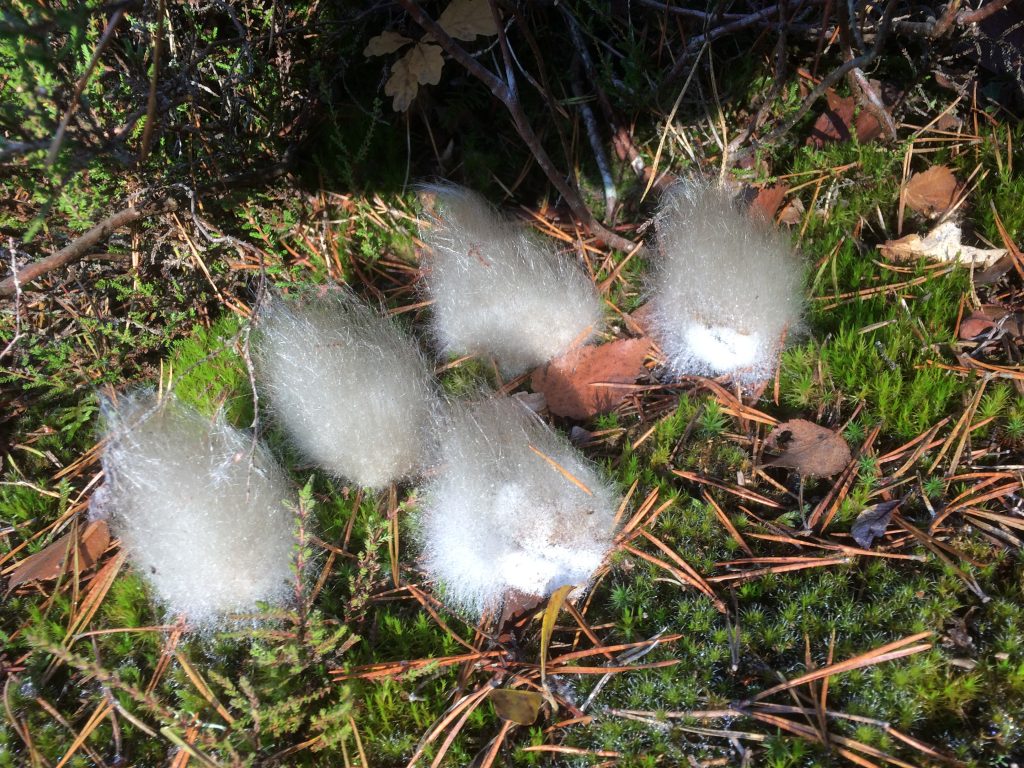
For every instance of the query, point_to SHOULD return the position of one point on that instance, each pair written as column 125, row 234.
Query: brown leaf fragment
column 833, row 124
column 465, row 19
column 49, row 563
column 975, row 325
column 793, row 212
column 768, row 201
column 808, row 448
column 421, row 65
column 386, row 42
column 872, row 522
column 520, row 707
column 575, row 384
column 931, row 192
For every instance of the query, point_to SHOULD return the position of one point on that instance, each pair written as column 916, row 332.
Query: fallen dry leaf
column 872, row 522
column 768, row 201
column 465, row 19
column 573, row 383
column 974, row 325
column 49, row 563
column 808, row 448
column 931, row 192
column 421, row 65
column 384, row 43
column 989, row 316
column 833, row 124
column 793, row 212
column 520, row 707
column 941, row 244
column 837, row 123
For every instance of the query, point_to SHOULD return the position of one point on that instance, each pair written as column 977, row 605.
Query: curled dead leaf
column 808, row 448
column 49, row 563
column 931, row 192
column 872, row 522
column 384, row 43
column 465, row 19
column 768, row 201
column 975, row 325
column 941, row 244
column 421, row 65
column 581, row 383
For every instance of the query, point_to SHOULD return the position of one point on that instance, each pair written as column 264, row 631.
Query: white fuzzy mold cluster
column 203, row 512
column 498, row 289
column 727, row 288
column 353, row 391
column 511, row 506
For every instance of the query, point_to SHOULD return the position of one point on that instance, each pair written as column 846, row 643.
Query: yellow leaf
column 384, row 43
column 421, row 65
column 547, row 625
column 518, row 706
column 465, row 19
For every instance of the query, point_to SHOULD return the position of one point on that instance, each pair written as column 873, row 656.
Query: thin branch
column 78, row 248
column 17, row 300
column 147, row 133
column 108, row 33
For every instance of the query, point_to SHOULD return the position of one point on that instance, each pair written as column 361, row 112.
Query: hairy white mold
column 511, row 506
column 352, row 390
column 499, row 289
column 204, row 517
column 726, row 289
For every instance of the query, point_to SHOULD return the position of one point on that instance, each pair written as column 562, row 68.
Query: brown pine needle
column 888, row 652
column 564, row 472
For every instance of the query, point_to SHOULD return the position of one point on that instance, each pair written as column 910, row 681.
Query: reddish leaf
column 808, row 448
column 834, row 122
column 574, row 383
column 49, row 563
column 931, row 192
column 975, row 325
column 768, row 201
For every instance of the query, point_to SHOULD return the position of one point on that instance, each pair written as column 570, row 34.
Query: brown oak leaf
column 808, row 448
column 576, row 384
column 421, row 65
column 931, row 192
column 465, row 19
column 386, row 42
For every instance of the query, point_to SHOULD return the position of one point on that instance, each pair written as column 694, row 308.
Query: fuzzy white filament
column 499, row 289
column 351, row 389
column 726, row 288
column 512, row 506
column 203, row 517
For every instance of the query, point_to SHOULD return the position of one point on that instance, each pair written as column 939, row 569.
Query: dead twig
column 78, row 247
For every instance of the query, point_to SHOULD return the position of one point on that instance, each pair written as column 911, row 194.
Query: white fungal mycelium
column 500, row 289
column 205, row 515
column 511, row 506
column 352, row 390
column 727, row 288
